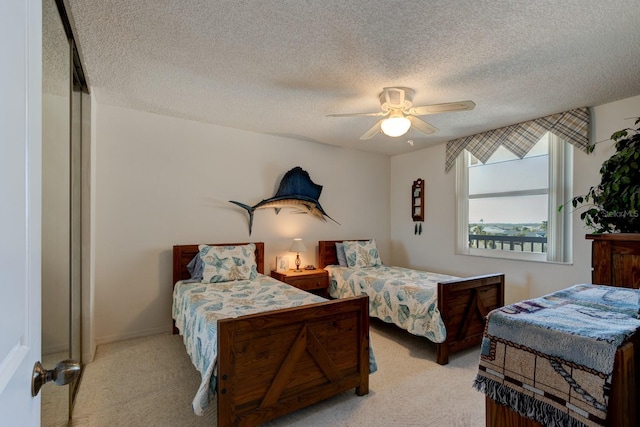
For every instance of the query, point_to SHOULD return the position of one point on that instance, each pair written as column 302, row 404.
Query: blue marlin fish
column 296, row 191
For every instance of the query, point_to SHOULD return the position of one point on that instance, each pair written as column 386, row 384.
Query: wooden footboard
column 273, row 363
column 463, row 305
column 624, row 401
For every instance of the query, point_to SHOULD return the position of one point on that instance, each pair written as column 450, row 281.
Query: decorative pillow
column 226, row 263
column 195, row 267
column 342, row 257
column 361, row 253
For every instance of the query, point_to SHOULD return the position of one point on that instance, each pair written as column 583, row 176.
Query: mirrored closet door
column 61, row 210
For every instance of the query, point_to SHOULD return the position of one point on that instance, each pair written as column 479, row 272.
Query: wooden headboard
column 183, row 254
column 327, row 252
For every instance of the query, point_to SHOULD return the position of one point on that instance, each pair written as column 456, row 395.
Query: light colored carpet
column 151, row 382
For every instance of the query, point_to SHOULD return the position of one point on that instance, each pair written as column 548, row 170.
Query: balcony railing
column 508, row 243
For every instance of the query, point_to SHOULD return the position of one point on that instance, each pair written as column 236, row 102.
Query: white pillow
column 361, row 253
column 225, row 263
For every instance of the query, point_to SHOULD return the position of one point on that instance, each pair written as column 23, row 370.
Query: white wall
column 434, row 249
column 162, row 181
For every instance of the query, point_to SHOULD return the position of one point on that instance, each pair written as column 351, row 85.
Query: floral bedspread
column 197, row 308
column 405, row 297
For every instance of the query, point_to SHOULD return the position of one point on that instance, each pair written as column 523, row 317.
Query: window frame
column 559, row 224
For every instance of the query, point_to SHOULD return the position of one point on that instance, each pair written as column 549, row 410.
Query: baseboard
column 89, row 353
column 133, row 335
column 55, row 348
column 88, row 356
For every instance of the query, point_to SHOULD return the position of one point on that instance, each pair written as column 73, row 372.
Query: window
column 508, row 207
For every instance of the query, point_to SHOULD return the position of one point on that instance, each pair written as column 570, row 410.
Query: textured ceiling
column 280, row 66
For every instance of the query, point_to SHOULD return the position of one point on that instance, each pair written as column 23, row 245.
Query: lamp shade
column 395, row 126
column 297, row 246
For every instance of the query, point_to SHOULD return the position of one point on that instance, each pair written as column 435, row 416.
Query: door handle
column 64, row 373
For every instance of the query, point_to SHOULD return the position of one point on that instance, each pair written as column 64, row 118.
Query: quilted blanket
column 408, row 298
column 551, row 358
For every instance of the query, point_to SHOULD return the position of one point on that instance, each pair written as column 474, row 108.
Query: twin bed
column 268, row 363
column 449, row 311
column 566, row 358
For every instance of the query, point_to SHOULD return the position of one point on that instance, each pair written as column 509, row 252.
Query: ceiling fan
column 400, row 114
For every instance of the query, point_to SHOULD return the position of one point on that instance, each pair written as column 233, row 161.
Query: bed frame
column 273, row 363
column 624, row 401
column 463, row 304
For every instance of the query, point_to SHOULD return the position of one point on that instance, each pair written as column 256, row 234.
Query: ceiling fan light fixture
column 396, row 104
column 396, row 125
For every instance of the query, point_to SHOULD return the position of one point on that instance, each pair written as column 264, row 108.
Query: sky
column 505, row 172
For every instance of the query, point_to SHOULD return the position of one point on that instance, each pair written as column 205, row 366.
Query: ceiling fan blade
column 422, row 126
column 441, row 108
column 372, row 132
column 379, row 113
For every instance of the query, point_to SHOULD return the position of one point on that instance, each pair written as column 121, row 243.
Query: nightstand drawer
column 308, row 283
column 315, row 281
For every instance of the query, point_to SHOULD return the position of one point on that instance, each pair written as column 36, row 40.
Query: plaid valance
column 572, row 126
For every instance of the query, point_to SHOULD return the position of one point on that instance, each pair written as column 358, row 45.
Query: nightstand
column 315, row 281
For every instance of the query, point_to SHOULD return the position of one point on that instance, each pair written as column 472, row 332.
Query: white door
column 20, row 208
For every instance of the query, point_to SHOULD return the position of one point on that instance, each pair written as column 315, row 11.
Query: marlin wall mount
column 296, row 191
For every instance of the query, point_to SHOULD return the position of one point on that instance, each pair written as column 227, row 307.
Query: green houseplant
column 613, row 206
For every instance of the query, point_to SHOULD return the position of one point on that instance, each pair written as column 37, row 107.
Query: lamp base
column 297, row 270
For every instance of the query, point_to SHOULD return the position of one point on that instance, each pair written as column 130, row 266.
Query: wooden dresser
column 615, row 259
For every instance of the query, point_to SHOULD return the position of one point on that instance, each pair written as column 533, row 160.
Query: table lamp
column 297, row 246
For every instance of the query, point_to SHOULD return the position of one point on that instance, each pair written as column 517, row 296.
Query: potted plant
column 614, row 204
